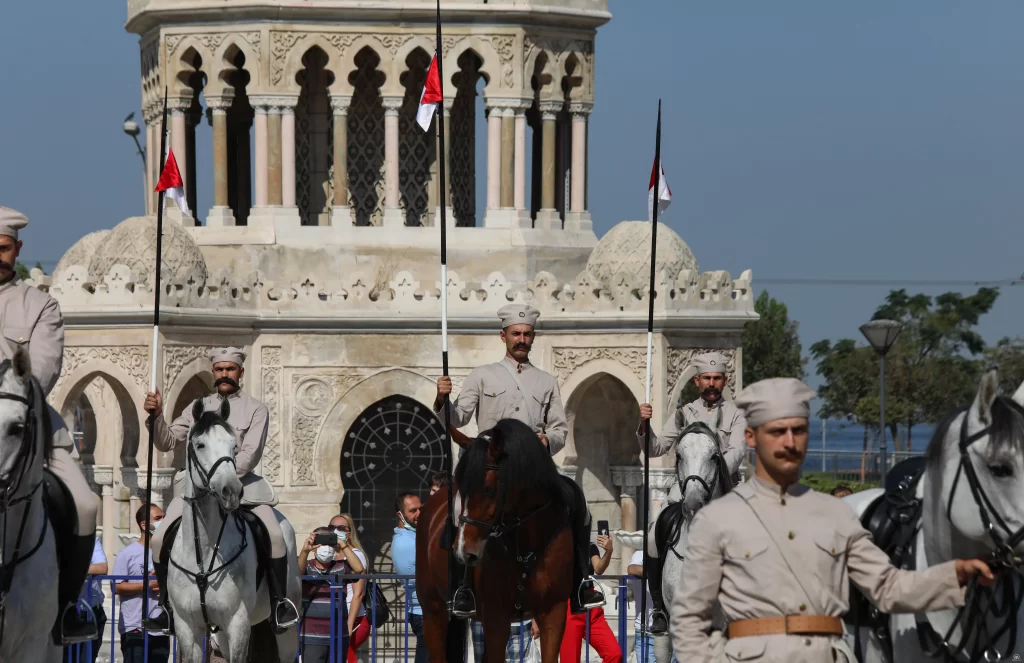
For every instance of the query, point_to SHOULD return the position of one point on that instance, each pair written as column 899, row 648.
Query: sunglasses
column 341, row 528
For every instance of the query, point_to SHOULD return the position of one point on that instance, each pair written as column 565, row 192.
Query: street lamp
column 882, row 334
column 131, row 128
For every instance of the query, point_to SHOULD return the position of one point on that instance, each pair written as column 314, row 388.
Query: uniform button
column 517, row 409
column 803, row 606
column 833, row 550
column 747, row 555
column 807, row 642
column 792, row 535
column 783, row 501
column 21, row 340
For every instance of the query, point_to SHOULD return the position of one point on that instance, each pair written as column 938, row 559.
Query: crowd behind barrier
column 390, row 642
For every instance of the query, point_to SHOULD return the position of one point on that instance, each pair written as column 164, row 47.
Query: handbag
column 382, row 614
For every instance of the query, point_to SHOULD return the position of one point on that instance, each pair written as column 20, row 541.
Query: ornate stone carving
column 172, row 42
column 341, row 41
column 176, row 356
column 567, row 360
column 133, row 243
column 313, row 395
column 393, row 42
column 271, row 377
column 304, row 430
column 504, row 47
column 679, row 358
column 280, row 44
column 627, row 248
column 81, row 252
column 132, row 359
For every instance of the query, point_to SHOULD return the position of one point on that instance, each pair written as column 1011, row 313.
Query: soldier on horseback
column 723, row 417
column 249, row 418
column 513, row 388
column 31, row 319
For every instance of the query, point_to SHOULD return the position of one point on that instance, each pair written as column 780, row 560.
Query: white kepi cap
column 775, row 398
column 11, row 221
column 518, row 314
column 234, row 355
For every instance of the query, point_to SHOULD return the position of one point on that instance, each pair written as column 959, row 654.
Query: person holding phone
column 601, row 636
column 317, row 604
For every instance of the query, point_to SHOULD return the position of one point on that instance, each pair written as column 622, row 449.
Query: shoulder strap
column 782, row 551
column 536, row 419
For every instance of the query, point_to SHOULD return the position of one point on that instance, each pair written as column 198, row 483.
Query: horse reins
column 202, row 578
column 1003, row 557
column 26, row 457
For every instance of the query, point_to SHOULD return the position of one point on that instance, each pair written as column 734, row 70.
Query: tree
column 1008, row 355
column 771, row 346
column 23, row 272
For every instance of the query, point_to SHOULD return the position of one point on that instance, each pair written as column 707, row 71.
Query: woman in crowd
column 358, row 624
column 328, row 564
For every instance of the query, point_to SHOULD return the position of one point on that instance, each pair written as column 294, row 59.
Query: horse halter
column 500, row 527
column 204, row 474
column 709, row 489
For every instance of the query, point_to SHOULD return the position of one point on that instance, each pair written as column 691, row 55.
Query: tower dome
column 133, row 243
column 81, row 252
column 627, row 248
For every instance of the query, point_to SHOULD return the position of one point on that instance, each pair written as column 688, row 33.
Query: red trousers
column 360, row 634
column 601, row 637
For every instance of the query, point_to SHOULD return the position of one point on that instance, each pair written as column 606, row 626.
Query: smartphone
column 325, row 539
column 602, row 527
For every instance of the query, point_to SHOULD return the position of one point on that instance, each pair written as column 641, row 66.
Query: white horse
column 702, row 476
column 972, row 505
column 28, row 578
column 232, row 606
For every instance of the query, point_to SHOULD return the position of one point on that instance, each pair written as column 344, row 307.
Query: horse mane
column 209, row 420
column 1006, row 429
column 37, row 407
column 724, row 478
column 525, row 463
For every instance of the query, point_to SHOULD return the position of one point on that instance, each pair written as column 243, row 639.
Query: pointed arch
column 190, row 58
column 223, row 62
column 294, row 60
column 490, row 63
column 399, row 62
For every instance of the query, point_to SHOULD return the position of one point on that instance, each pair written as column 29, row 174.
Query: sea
column 837, row 445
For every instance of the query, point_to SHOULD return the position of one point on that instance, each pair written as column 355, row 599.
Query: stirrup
column 465, row 595
column 659, row 622
column 277, row 612
column 153, row 625
column 596, row 588
column 79, row 606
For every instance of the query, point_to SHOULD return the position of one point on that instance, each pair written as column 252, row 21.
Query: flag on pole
column 170, row 183
column 430, row 97
column 664, row 193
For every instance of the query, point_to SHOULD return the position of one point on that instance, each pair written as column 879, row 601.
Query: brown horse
column 511, row 509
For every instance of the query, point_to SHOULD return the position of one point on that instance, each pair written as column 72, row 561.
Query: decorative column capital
column 179, row 105
column 392, row 105
column 219, row 104
column 340, row 104
column 274, row 104
column 548, row 109
column 583, row 108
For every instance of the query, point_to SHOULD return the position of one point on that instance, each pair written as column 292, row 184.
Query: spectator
column 521, row 641
column 841, row 491
column 403, row 557
column 317, row 596
column 92, row 593
column 438, row 481
column 129, row 619
column 358, row 624
column 643, row 644
column 601, row 636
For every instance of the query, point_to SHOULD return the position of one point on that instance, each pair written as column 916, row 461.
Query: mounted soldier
column 30, row 319
column 513, row 388
column 250, row 419
column 723, row 417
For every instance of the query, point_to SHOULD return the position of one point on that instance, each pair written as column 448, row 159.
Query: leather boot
column 464, row 601
column 163, row 623
column 586, row 592
column 659, row 618
column 76, row 620
column 285, row 613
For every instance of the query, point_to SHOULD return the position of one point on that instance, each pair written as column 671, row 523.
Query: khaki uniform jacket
column 249, row 417
column 31, row 319
column 731, row 558
column 490, row 393
column 730, row 431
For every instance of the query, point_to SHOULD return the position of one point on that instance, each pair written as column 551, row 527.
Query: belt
column 795, row 624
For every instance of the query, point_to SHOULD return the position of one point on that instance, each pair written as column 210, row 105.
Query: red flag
column 430, row 97
column 170, row 182
column 664, row 193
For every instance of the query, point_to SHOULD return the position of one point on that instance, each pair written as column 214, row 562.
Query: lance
column 153, row 365
column 650, row 346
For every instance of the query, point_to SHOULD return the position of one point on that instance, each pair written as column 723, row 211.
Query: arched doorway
column 393, row 446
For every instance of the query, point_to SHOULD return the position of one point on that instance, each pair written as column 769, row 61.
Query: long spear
column 650, row 347
column 153, row 366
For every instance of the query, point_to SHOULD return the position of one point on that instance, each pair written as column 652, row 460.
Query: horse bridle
column 500, row 527
column 701, row 427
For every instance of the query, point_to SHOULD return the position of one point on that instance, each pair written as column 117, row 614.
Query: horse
column 513, row 535
column 28, row 581
column 967, row 500
column 213, row 576
column 702, row 475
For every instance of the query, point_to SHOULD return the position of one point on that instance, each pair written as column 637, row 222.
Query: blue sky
column 802, row 139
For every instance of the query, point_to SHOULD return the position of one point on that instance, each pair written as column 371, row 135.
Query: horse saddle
column 893, row 520
column 261, row 538
column 668, row 528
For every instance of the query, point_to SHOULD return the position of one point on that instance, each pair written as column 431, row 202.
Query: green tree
column 771, row 346
column 1008, row 355
column 23, row 272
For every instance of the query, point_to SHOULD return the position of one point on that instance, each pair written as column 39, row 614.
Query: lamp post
column 882, row 334
column 131, row 128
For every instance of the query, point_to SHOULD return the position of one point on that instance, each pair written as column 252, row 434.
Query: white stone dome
column 81, row 253
column 133, row 243
column 627, row 248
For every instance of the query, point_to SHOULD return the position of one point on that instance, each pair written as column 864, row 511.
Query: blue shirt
column 129, row 563
column 403, row 557
column 92, row 591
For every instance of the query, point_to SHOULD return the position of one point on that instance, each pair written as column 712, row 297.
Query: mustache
column 225, row 380
column 711, row 391
column 789, row 453
column 521, row 346
column 6, row 265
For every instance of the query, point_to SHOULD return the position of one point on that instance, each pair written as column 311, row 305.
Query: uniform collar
column 10, row 285
column 231, row 397
column 757, row 486
column 699, row 404
column 515, row 364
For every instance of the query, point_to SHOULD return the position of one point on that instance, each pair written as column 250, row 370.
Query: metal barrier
column 390, row 642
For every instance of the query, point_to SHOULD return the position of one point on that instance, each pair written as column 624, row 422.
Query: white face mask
column 342, row 536
column 405, row 523
column 155, row 526
column 324, row 554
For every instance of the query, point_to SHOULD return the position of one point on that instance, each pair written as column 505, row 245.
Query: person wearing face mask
column 358, row 622
column 249, row 418
column 329, row 563
column 718, row 413
column 403, row 556
column 130, row 616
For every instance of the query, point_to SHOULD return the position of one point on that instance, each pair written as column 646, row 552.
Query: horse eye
column 489, row 492
column 200, row 446
column 1001, row 470
column 16, row 428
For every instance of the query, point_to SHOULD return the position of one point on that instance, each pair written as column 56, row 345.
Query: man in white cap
column 250, row 419
column 723, row 417
column 513, row 388
column 777, row 556
column 31, row 321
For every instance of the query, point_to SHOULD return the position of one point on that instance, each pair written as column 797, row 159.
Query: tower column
column 220, row 214
column 393, row 216
column 179, row 108
column 341, row 214
column 547, row 216
column 578, row 219
column 260, row 129
column 274, row 127
column 519, row 195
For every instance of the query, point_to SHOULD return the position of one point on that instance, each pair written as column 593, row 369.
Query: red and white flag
column 430, row 97
column 170, row 182
column 664, row 193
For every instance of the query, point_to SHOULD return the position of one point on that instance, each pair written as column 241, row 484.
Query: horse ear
column 1018, row 396
column 197, row 409
column 22, row 365
column 225, row 409
column 495, row 443
column 987, row 392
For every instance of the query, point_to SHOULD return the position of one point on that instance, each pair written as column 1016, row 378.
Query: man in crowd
column 777, row 556
column 513, row 388
column 403, row 557
column 249, row 418
column 31, row 320
column 129, row 618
